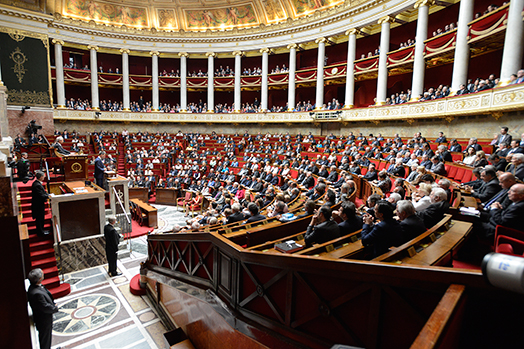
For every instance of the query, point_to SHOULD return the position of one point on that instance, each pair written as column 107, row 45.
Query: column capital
column 292, row 46
column 210, row 54
column 352, row 31
column 238, row 53
column 428, row 3
column 386, row 19
column 154, row 53
column 92, row 47
column 265, row 50
column 124, row 50
column 58, row 41
column 319, row 40
column 183, row 54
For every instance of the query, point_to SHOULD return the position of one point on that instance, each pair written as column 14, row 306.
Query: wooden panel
column 79, row 218
column 139, row 193
column 166, row 196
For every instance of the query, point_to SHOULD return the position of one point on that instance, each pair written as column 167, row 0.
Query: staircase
column 121, row 158
column 41, row 250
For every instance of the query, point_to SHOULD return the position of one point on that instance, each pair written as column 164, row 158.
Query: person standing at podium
column 100, row 169
column 112, row 240
column 39, row 198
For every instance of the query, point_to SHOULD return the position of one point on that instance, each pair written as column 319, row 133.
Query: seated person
column 255, row 216
column 384, row 234
column 438, row 208
column 237, row 214
column 489, row 188
column 58, row 146
column 510, row 217
column 421, row 199
column 350, row 221
column 322, row 228
column 309, row 207
column 411, row 224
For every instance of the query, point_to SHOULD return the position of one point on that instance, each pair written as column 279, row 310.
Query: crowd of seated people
column 171, row 74
column 263, row 185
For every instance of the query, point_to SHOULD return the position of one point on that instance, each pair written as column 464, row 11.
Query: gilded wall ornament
column 19, row 58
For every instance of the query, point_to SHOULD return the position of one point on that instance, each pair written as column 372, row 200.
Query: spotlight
column 97, row 114
column 24, row 108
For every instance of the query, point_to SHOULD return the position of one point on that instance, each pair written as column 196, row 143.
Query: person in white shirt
column 421, row 199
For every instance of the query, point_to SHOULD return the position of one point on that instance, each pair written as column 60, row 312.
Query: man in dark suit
column 350, row 221
column 489, row 188
column 39, row 199
column 255, row 216
column 99, row 169
column 441, row 138
column 43, row 306
column 308, row 181
column 504, row 137
column 112, row 240
column 510, row 217
column 383, row 235
column 237, row 214
column 499, row 163
column 58, row 146
column 22, row 168
column 412, row 225
column 321, row 228
column 437, row 167
column 444, row 154
column 435, row 212
column 454, row 146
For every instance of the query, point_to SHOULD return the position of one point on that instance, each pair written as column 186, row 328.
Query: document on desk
column 80, row 190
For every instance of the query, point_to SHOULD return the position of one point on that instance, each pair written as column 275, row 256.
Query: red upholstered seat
column 382, row 165
column 467, row 176
column 459, row 175
column 451, row 170
column 509, row 241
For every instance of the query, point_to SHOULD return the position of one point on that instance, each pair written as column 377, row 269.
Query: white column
column 155, row 103
column 350, row 68
column 264, row 86
column 183, row 80
column 382, row 80
column 59, row 69
column 419, row 64
column 125, row 79
column 319, row 99
column 291, row 80
column 238, row 72
column 210, row 81
column 95, row 104
column 513, row 42
column 461, row 60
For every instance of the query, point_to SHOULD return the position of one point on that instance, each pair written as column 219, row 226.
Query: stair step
column 44, row 262
column 51, row 282
column 50, row 272
column 40, row 245
column 61, row 291
column 48, row 252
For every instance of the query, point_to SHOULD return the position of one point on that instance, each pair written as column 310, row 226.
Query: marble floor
column 169, row 216
column 101, row 313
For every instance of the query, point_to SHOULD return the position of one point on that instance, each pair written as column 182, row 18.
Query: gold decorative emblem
column 19, row 58
column 76, row 167
column 16, row 35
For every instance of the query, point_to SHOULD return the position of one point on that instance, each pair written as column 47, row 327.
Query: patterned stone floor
column 169, row 216
column 101, row 313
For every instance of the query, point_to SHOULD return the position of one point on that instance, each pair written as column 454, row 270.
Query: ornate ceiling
column 190, row 15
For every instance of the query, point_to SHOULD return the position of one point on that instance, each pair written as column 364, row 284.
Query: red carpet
column 41, row 250
column 138, row 230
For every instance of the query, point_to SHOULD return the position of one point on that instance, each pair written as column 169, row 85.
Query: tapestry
column 25, row 67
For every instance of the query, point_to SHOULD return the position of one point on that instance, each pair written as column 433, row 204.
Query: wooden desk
column 150, row 211
column 470, row 201
column 139, row 193
column 166, row 196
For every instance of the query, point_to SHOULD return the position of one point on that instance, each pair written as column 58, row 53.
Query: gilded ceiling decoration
column 202, row 15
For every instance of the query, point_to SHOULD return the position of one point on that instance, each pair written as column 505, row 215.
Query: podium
column 121, row 186
column 75, row 167
column 79, row 212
